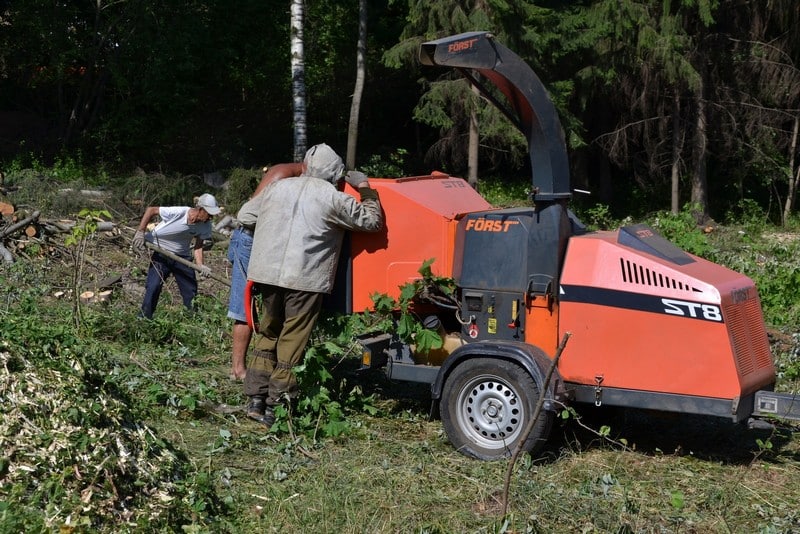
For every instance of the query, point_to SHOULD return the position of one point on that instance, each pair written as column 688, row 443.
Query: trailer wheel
column 487, row 404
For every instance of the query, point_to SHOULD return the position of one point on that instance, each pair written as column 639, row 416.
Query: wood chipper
column 651, row 326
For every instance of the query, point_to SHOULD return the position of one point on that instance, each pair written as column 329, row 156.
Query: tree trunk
column 474, row 140
column 355, row 106
column 676, row 154
column 699, row 177
column 298, row 79
column 794, row 172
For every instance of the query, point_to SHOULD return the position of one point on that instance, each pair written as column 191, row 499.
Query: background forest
column 664, row 102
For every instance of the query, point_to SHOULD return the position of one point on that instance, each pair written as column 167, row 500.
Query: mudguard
column 534, row 360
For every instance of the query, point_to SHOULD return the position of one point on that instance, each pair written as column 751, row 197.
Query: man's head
column 322, row 162
column 208, row 203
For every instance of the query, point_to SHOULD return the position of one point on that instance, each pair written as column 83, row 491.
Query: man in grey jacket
column 301, row 224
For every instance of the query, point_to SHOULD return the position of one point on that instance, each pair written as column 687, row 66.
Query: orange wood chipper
column 650, row 325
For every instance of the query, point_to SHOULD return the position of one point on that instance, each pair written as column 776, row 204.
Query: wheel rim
column 490, row 412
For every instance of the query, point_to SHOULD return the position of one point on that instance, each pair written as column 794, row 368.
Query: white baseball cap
column 208, row 203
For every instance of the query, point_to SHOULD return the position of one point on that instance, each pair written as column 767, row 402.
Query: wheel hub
column 490, row 410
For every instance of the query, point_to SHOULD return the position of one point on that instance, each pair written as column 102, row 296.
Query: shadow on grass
column 406, row 396
column 654, row 433
column 645, row 432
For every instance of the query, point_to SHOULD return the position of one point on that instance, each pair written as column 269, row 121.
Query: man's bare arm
column 277, row 172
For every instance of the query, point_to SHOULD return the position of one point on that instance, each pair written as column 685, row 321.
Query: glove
column 355, row 178
column 204, row 271
column 138, row 241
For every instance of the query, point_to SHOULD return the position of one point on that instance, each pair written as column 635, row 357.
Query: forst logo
column 488, row 225
column 460, row 46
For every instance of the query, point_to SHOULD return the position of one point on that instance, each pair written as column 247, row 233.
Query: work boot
column 256, row 406
column 257, row 410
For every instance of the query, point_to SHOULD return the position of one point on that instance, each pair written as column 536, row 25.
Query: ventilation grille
column 750, row 349
column 633, row 273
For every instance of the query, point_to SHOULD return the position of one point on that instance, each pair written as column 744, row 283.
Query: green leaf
column 406, row 326
column 677, row 499
column 425, row 269
column 383, row 303
column 427, row 339
column 407, row 294
column 335, row 428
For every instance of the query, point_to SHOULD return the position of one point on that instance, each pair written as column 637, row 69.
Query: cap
column 322, row 162
column 208, row 203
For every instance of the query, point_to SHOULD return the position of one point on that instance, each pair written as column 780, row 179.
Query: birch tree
column 355, row 106
column 298, row 79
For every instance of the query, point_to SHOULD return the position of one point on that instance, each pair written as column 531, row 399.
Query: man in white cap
column 301, row 224
column 181, row 231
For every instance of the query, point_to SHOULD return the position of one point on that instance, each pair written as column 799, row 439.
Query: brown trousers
column 287, row 319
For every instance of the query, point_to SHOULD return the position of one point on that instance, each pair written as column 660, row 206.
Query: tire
column 487, row 403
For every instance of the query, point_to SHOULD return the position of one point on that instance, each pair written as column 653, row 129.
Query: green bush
column 503, row 193
column 682, row 230
column 390, row 166
column 241, row 184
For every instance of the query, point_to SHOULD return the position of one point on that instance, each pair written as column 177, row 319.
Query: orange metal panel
column 541, row 324
column 646, row 351
column 641, row 322
column 420, row 223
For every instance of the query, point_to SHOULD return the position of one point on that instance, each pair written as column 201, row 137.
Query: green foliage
column 78, row 238
column 779, row 288
column 677, row 499
column 682, row 230
column 769, row 259
column 504, row 193
column 406, row 322
column 748, row 214
column 241, row 184
column 86, row 227
column 61, row 406
column 598, row 217
column 322, row 409
column 392, row 166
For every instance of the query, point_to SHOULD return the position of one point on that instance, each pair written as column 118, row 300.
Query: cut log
column 6, row 209
column 94, row 297
column 226, row 221
column 32, row 231
column 22, row 224
column 65, row 225
column 109, row 281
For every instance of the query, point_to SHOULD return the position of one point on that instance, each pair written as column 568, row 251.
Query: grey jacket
column 301, row 224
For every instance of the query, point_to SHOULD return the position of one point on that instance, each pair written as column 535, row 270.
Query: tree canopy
column 664, row 102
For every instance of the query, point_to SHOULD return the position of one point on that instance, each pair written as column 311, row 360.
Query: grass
column 394, row 470
column 397, row 473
